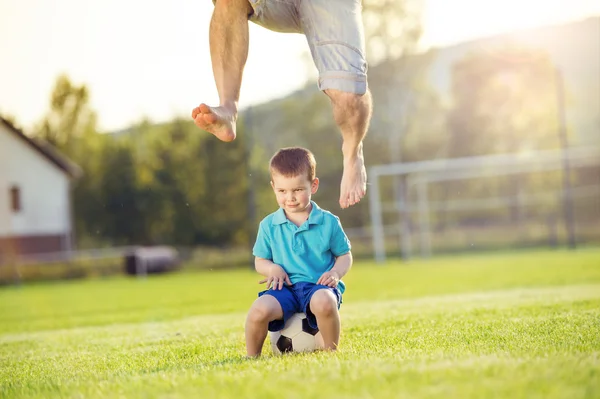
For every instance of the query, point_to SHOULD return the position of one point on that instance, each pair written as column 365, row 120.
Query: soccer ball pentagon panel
column 296, row 336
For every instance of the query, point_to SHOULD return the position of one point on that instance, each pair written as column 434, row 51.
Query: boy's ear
column 314, row 186
column 272, row 185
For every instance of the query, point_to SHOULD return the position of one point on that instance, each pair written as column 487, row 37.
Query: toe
column 205, row 109
column 195, row 112
column 350, row 201
column 344, row 201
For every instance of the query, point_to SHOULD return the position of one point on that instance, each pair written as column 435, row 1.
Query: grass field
column 523, row 325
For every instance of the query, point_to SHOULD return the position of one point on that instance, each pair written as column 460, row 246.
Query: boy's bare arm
column 263, row 266
column 275, row 275
column 342, row 265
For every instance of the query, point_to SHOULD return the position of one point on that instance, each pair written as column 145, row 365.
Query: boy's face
column 293, row 193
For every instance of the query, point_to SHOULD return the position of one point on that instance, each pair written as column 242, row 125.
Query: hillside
column 573, row 47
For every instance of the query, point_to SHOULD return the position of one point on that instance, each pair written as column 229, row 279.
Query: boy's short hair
column 293, row 161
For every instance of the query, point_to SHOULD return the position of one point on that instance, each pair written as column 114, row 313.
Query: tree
column 224, row 214
column 392, row 29
column 69, row 117
column 70, row 126
column 170, row 179
column 123, row 220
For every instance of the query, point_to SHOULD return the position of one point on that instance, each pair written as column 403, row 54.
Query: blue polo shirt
column 304, row 252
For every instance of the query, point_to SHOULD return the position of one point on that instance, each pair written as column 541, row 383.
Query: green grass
column 523, row 325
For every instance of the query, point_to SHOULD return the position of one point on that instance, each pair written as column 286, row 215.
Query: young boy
column 303, row 253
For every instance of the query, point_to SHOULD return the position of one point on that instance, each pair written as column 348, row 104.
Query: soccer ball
column 297, row 336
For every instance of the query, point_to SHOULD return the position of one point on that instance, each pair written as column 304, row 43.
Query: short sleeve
column 262, row 246
column 340, row 244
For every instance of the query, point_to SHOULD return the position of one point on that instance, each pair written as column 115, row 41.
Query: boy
column 303, row 253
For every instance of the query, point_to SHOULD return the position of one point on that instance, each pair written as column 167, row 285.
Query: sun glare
column 450, row 22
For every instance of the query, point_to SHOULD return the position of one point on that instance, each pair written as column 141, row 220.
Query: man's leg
column 334, row 31
column 228, row 38
column 352, row 113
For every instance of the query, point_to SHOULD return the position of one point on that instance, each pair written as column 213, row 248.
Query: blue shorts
column 334, row 32
column 296, row 299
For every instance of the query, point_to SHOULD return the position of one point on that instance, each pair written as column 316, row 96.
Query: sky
column 144, row 59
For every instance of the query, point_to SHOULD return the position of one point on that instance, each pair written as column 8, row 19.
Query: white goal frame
column 420, row 174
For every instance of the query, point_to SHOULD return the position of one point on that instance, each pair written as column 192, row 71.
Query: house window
column 15, row 199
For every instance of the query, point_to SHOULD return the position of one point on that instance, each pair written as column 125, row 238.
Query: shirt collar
column 315, row 216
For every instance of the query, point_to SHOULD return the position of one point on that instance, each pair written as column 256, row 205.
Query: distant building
column 35, row 195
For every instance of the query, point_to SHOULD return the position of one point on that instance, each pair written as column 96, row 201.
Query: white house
column 35, row 195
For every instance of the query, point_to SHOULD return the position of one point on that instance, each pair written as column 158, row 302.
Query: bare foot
column 354, row 182
column 219, row 121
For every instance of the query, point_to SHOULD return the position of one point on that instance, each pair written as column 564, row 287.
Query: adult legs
column 352, row 114
column 228, row 37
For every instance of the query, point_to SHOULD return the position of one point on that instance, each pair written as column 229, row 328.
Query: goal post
column 420, row 176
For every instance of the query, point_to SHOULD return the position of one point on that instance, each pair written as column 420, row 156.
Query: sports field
column 522, row 325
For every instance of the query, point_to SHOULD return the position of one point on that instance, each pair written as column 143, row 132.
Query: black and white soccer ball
column 297, row 336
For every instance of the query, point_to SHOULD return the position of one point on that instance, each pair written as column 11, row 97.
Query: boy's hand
column 277, row 277
column 330, row 279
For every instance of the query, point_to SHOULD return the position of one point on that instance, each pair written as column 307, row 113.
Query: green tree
column 392, row 28
column 170, row 178
column 70, row 126
column 224, row 214
column 123, row 220
column 70, row 117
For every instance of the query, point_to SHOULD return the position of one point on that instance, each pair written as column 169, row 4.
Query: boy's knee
column 262, row 311
column 259, row 314
column 323, row 303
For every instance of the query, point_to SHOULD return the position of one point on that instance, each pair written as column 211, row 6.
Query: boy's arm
column 275, row 275
column 338, row 244
column 341, row 266
column 263, row 266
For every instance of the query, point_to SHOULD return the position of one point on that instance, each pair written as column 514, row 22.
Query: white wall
column 44, row 190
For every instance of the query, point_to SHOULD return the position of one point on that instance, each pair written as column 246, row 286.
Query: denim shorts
column 296, row 299
column 335, row 35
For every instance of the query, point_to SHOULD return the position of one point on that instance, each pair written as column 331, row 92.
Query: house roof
column 47, row 151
